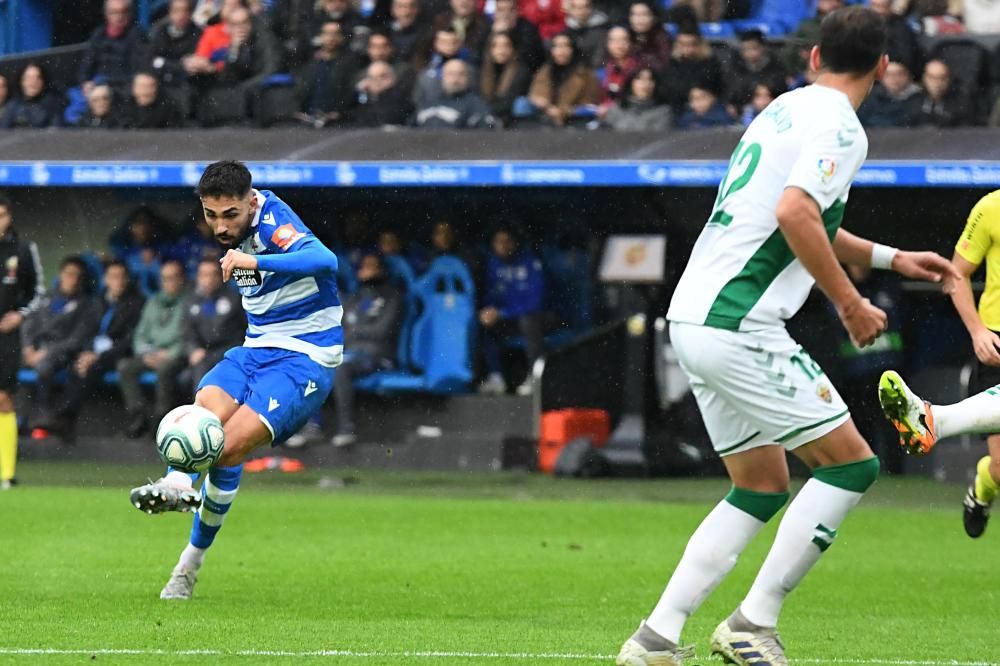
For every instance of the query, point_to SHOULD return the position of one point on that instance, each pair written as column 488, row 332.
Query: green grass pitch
column 437, row 569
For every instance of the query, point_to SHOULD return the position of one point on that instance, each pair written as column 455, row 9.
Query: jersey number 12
column 743, row 162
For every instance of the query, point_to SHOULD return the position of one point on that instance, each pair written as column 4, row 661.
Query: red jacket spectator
column 546, row 14
column 214, row 44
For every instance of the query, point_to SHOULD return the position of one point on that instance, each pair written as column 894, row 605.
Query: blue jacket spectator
column 115, row 50
column 195, row 243
column 37, row 106
column 139, row 244
column 514, row 297
column 704, row 110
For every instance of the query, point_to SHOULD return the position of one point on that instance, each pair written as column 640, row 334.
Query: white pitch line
column 441, row 654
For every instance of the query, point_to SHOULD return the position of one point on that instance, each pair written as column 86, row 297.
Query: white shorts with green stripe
column 755, row 389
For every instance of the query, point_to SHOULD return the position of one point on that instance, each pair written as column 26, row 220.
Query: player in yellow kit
column 921, row 424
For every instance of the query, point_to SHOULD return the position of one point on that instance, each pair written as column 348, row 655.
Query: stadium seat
column 28, row 377
column 401, row 275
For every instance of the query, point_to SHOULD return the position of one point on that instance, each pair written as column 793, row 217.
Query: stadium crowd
column 151, row 315
column 484, row 64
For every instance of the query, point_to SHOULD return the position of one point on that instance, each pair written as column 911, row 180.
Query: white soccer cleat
column 180, row 585
column 165, row 495
column 757, row 647
column 634, row 654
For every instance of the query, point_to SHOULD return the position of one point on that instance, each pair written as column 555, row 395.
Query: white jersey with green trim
column 742, row 276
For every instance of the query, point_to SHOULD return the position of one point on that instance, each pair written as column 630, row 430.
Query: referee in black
column 21, row 292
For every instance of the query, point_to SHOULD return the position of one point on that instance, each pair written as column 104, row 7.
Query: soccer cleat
column 161, row 496
column 758, row 646
column 911, row 416
column 7, row 484
column 975, row 514
column 180, row 585
column 634, row 654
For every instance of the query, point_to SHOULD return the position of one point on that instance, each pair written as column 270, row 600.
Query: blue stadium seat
column 401, row 275
column 29, row 376
column 439, row 340
column 719, row 30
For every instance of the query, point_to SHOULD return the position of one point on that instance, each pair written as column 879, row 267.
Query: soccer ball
column 190, row 438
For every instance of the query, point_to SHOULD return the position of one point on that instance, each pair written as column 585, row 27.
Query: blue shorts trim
column 284, row 388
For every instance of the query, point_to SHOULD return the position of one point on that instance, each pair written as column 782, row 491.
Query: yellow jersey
column 981, row 241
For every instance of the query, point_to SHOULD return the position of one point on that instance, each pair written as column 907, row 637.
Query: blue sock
column 218, row 493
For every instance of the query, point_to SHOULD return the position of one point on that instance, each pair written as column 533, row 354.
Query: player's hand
column 929, row 266
column 864, row 322
column 236, row 259
column 11, row 321
column 987, row 346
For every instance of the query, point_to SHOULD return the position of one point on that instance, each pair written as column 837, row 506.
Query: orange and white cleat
column 911, row 415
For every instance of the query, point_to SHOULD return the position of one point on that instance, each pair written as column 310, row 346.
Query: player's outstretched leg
column 219, row 491
column 173, row 492
column 911, row 416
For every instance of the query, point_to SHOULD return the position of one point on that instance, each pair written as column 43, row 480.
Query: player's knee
column 855, row 476
column 6, row 403
column 761, row 505
column 217, row 401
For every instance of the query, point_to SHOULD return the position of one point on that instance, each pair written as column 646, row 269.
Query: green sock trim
column 856, row 477
column 761, row 506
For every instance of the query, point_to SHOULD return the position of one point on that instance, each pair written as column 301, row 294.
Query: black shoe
column 137, row 426
column 975, row 514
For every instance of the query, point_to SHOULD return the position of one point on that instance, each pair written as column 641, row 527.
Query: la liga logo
column 827, row 167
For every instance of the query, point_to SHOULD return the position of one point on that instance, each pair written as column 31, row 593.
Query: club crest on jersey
column 827, row 167
column 825, row 393
column 285, row 236
column 247, row 278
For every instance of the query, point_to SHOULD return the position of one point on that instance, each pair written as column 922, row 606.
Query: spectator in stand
column 371, row 321
column 546, row 15
column 504, row 77
column 53, row 335
column 447, row 45
column 563, row 84
column 157, row 345
column 754, row 65
column 251, row 57
column 149, row 107
column 406, row 30
column 639, row 109
column 902, row 45
column 650, row 43
column 100, row 113
column 589, row 29
column 380, row 49
column 941, row 103
column 524, row 33
column 139, row 245
column 806, row 36
column 892, row 101
column 112, row 321
column 705, row 110
column 446, row 242
column 468, row 24
column 37, row 106
column 514, row 288
column 693, row 64
column 213, row 45
column 195, row 242
column 381, row 102
column 214, row 322
column 171, row 40
column 981, row 17
column 763, row 94
column 346, row 15
column 291, row 22
column 325, row 86
column 456, row 107
column 621, row 64
column 5, row 95
column 115, row 50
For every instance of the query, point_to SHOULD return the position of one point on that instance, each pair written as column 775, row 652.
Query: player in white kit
column 775, row 232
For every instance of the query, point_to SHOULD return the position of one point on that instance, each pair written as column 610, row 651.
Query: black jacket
column 214, row 323
column 115, row 60
column 61, row 325
column 372, row 318
column 393, row 107
column 21, row 287
column 325, row 86
column 163, row 113
column 42, row 111
column 166, row 51
column 122, row 318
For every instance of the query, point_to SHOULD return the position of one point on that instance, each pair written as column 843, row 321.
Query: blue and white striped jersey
column 291, row 298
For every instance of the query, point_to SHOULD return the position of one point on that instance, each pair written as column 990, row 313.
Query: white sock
column 807, row 529
column 176, row 478
column 191, row 558
column 710, row 555
column 976, row 414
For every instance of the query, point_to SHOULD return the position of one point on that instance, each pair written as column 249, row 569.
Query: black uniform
column 21, row 289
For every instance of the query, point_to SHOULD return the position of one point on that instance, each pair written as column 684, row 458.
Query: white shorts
column 758, row 388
